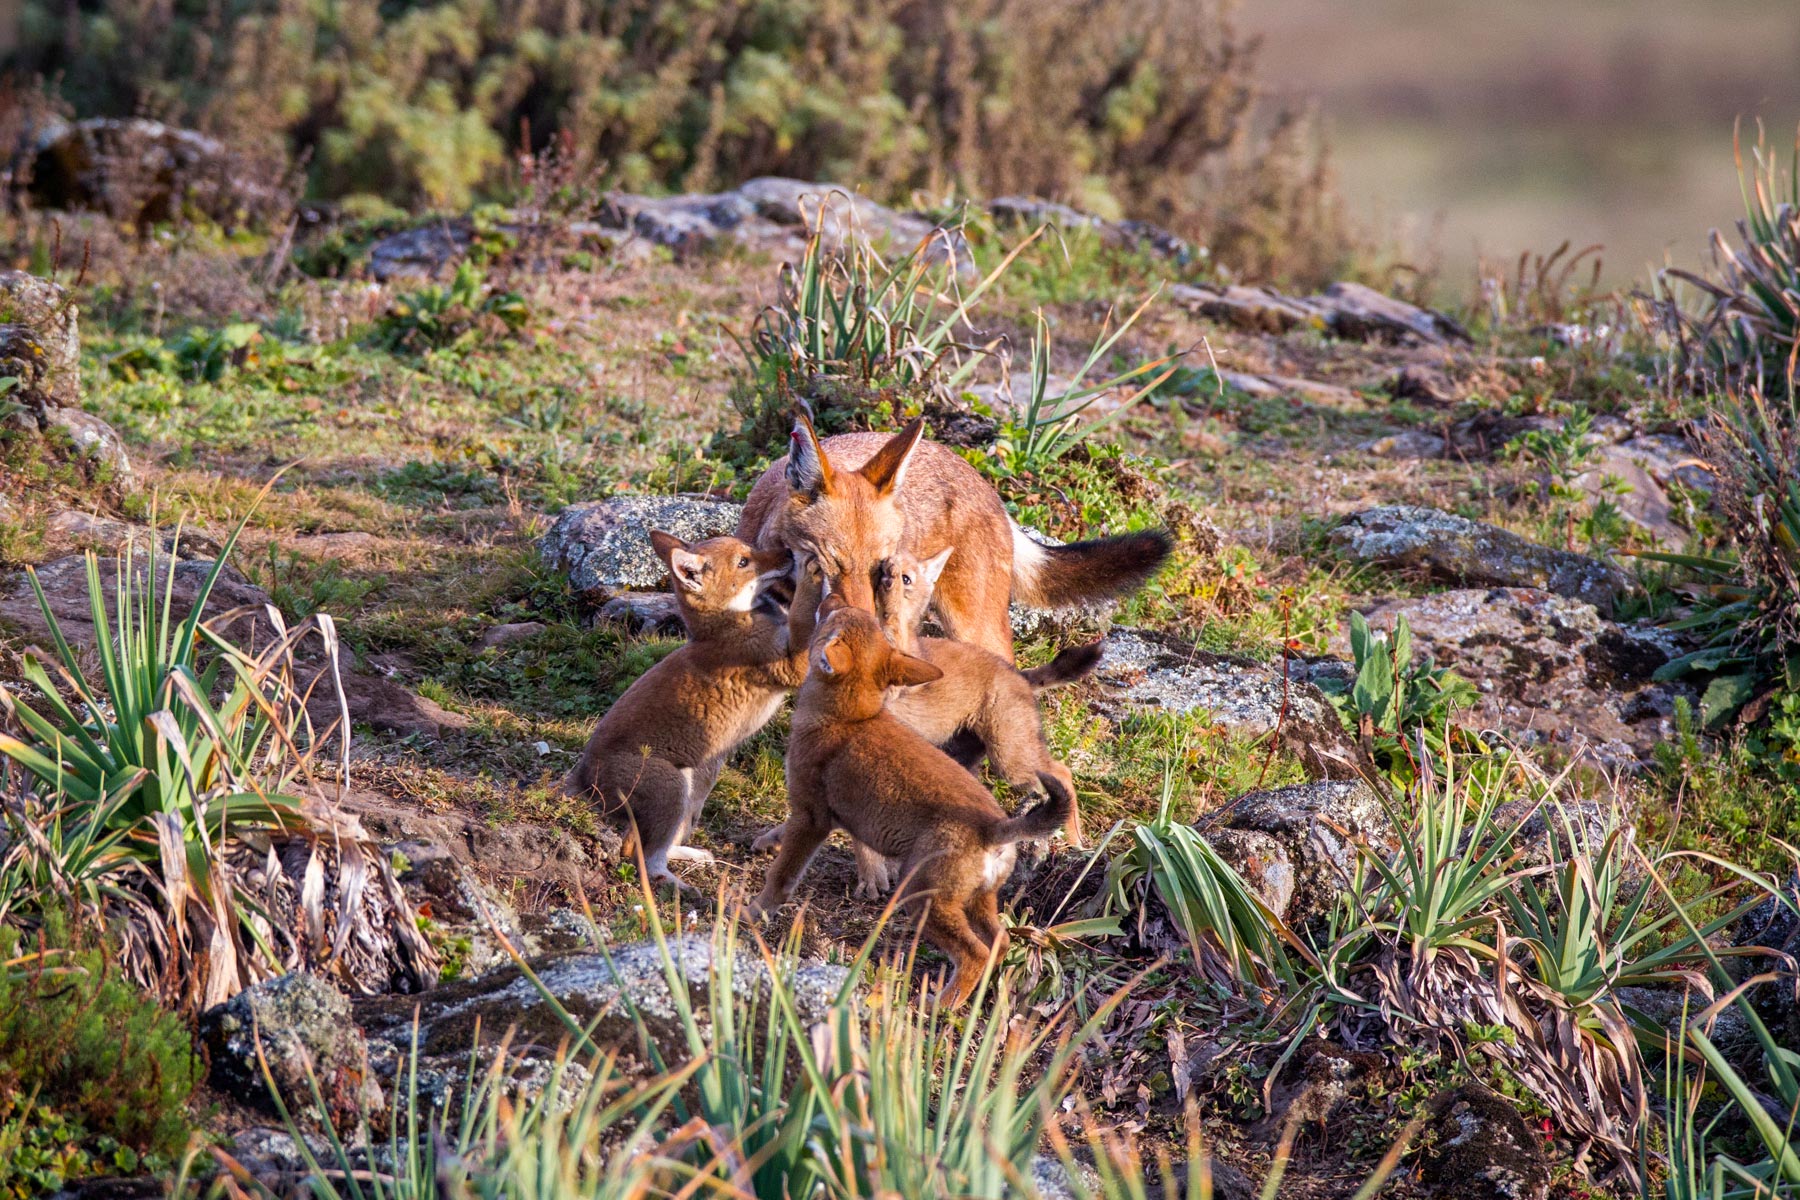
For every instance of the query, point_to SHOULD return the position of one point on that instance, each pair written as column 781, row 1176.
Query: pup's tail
column 1041, row 819
column 1068, row 666
column 1079, row 573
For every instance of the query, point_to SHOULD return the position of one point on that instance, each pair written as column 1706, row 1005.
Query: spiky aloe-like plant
column 142, row 778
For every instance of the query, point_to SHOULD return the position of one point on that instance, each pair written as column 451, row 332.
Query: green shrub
column 1145, row 113
column 438, row 315
column 1392, row 698
column 90, row 1046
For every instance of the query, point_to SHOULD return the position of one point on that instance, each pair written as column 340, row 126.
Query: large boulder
column 146, row 171
column 1145, row 670
column 65, row 585
column 300, row 1027
column 1550, row 670
column 1474, row 553
column 1308, row 833
column 604, row 545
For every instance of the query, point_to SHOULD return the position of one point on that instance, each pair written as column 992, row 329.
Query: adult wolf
column 853, row 500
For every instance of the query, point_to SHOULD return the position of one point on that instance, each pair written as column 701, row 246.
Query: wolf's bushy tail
column 1077, row 573
column 1041, row 819
column 1069, row 665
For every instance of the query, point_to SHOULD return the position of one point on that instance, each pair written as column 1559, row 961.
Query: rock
column 305, row 1032
column 1550, row 671
column 1311, row 390
column 1676, row 1008
column 1315, row 825
column 422, row 251
column 383, row 704
column 92, row 437
column 1642, row 498
column 600, row 990
column 1347, row 310
column 269, row 1154
column 604, row 545
column 64, row 581
column 1361, row 313
column 1263, row 862
column 40, row 341
column 1030, row 210
column 73, row 529
column 144, row 171
column 1488, row 432
column 644, row 612
column 1670, row 460
column 1421, row 384
column 1144, row 670
column 775, row 214
column 1050, row 1180
column 1774, row 926
column 1407, row 444
column 511, row 634
column 1473, row 552
column 1481, row 1149
column 349, row 545
column 1261, row 310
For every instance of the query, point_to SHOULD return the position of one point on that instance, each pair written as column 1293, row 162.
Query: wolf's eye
column 743, row 562
column 906, row 580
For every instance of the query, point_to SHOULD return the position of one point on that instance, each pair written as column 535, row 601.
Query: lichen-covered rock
column 602, row 991
column 1550, row 670
column 145, row 171
column 1145, row 670
column 421, row 251
column 1316, row 827
column 644, row 612
column 1481, row 1149
column 1347, row 310
column 303, row 1029
column 1474, row 553
column 604, row 545
column 40, row 341
column 1262, row 860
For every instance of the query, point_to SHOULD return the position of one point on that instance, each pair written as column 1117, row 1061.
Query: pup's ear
column 887, row 469
column 808, row 472
column 826, row 653
column 831, row 604
column 778, row 561
column 934, row 566
column 664, row 544
column 687, row 568
column 903, row 670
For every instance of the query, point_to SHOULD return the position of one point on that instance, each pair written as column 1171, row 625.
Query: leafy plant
column 1392, row 697
column 1560, row 455
column 1235, row 939
column 439, row 315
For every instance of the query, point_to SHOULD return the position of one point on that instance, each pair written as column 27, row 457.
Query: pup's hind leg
column 947, row 927
column 654, row 795
column 983, row 911
column 1018, row 759
column 698, row 782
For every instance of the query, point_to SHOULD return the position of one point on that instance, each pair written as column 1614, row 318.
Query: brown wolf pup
column 657, row 752
column 982, row 704
column 852, row 765
column 855, row 499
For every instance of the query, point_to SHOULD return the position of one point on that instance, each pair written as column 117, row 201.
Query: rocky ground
column 474, row 517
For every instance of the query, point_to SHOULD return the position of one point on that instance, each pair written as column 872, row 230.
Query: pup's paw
column 693, row 854
column 769, row 839
column 761, row 909
column 874, row 877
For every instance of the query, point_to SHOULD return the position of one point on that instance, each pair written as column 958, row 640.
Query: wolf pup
column 982, row 703
column 657, row 752
column 854, row 499
column 852, row 765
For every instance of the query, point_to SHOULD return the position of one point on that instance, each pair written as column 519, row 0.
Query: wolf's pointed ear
column 887, row 469
column 934, row 566
column 689, row 569
column 808, row 471
column 664, row 544
column 903, row 670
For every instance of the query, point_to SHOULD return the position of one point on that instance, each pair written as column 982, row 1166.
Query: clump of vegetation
column 88, row 1046
column 1152, row 118
column 1394, row 700
column 440, row 315
column 145, row 777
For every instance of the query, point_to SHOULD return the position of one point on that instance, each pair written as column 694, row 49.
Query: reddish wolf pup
column 657, row 752
column 982, row 704
column 855, row 499
column 851, row 765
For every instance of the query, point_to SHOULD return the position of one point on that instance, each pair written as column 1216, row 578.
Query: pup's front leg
column 800, row 839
